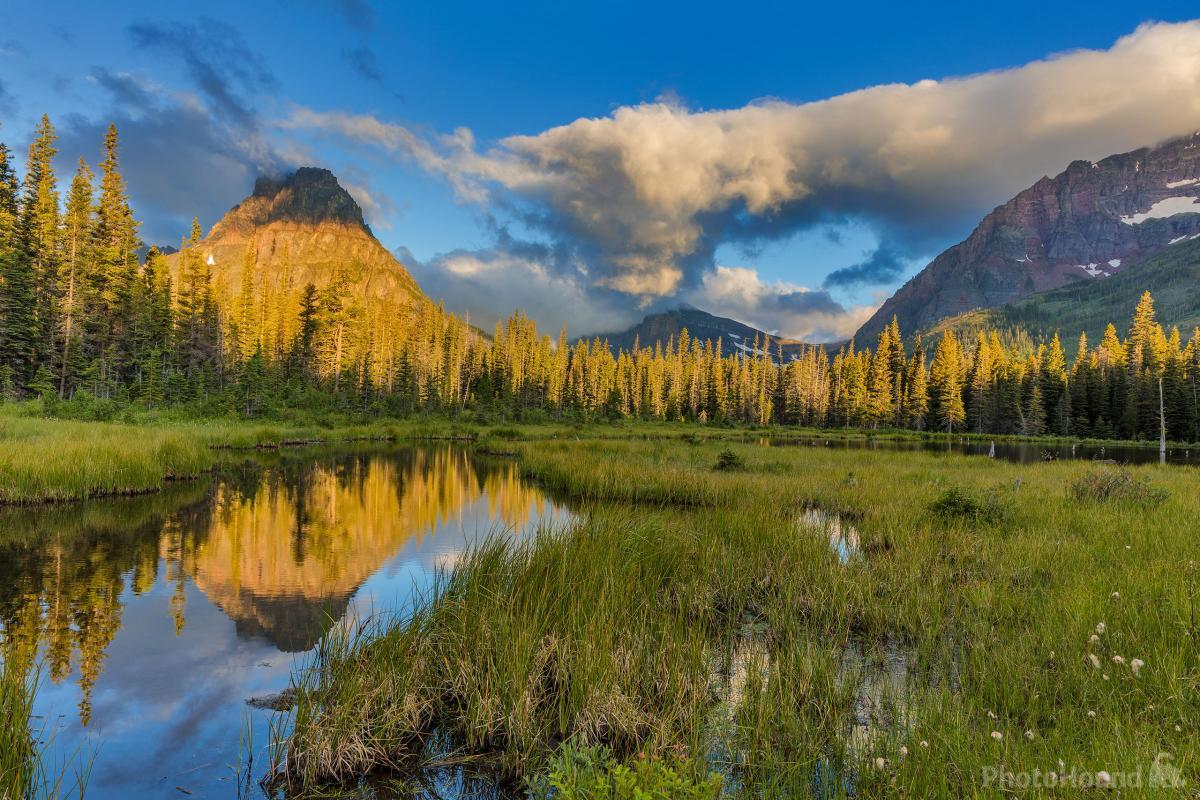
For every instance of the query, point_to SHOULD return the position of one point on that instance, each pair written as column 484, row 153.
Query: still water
column 154, row 619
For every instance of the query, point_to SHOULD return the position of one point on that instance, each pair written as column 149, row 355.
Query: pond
column 153, row 620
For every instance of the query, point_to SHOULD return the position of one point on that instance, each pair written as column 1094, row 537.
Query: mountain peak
column 310, row 195
column 664, row 326
column 305, row 228
column 1090, row 222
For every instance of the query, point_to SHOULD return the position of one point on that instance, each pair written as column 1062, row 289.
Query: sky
column 789, row 165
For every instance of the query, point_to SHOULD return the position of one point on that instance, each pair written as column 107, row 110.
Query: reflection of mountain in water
column 279, row 550
column 284, row 560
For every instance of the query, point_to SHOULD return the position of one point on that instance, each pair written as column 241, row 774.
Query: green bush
column 981, row 508
column 590, row 773
column 729, row 460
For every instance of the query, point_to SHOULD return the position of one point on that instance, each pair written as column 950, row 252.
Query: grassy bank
column 979, row 614
column 50, row 460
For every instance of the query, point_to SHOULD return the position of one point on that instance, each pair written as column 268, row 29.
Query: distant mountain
column 663, row 327
column 1089, row 224
column 1172, row 277
column 305, row 228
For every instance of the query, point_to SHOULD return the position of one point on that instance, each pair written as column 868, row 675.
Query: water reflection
column 156, row 617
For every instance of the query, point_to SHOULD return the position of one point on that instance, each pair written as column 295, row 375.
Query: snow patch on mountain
column 1167, row 207
column 1094, row 270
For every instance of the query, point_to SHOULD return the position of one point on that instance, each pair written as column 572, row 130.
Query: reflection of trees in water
column 61, row 582
column 280, row 550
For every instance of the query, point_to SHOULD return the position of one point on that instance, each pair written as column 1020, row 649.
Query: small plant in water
column 592, row 773
column 729, row 460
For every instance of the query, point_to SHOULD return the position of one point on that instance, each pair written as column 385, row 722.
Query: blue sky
column 206, row 99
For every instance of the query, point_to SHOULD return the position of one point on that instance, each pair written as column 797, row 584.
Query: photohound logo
column 1164, row 774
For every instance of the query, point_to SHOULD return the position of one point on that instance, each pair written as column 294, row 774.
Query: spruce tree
column 946, row 383
column 77, row 227
column 39, row 232
column 114, row 241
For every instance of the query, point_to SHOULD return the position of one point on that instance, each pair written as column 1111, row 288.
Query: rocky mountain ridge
column 305, row 228
column 1089, row 222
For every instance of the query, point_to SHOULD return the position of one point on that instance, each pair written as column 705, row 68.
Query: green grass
column 18, row 751
column 50, row 460
column 47, row 459
column 25, row 773
column 691, row 617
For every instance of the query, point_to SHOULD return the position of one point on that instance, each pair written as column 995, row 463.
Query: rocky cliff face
column 305, row 228
column 1088, row 223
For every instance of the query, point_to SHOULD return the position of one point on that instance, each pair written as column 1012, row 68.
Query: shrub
column 959, row 503
column 1116, row 485
column 729, row 460
column 590, row 773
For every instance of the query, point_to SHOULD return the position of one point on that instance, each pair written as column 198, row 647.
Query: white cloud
column 487, row 285
column 778, row 306
column 644, row 196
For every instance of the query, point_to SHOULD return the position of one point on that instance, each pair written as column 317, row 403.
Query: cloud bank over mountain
column 640, row 200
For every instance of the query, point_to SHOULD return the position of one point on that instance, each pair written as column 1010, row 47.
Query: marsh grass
column 26, row 772
column 45, row 460
column 623, row 630
column 18, row 751
column 55, row 460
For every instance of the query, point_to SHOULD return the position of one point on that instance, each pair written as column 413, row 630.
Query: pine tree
column 39, row 232
column 946, row 383
column 916, row 402
column 981, row 408
column 880, row 402
column 77, row 255
column 114, row 240
column 19, row 330
column 1053, row 373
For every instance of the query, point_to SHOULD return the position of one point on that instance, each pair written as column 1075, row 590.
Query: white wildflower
column 1095, row 659
column 880, row 763
column 1093, row 638
column 903, row 751
column 925, row 744
column 997, row 735
column 1103, row 779
column 1136, row 665
column 1029, row 735
column 1118, row 660
column 1116, row 595
column 1100, row 626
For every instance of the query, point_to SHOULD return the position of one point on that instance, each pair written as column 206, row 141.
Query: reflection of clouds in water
column 447, row 560
column 202, row 596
